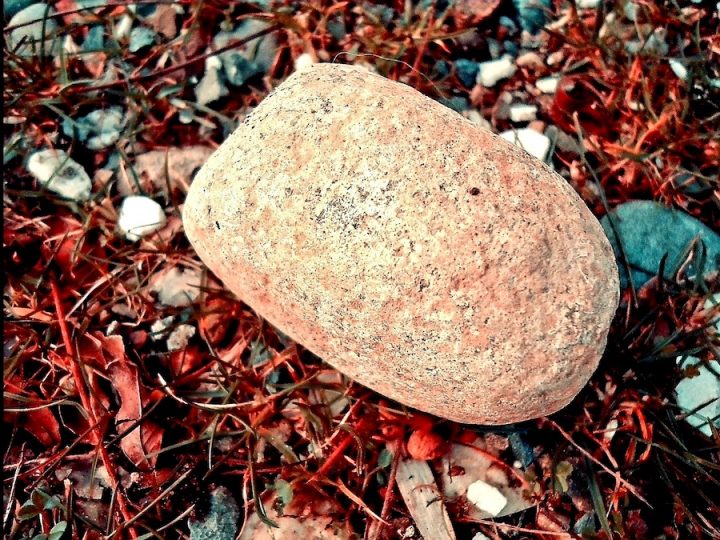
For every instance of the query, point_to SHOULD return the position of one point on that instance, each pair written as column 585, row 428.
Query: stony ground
column 142, row 400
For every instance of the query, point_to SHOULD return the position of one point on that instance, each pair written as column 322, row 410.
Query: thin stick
column 389, row 495
column 85, row 400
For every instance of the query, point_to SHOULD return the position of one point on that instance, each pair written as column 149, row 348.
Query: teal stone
column 648, row 231
column 12, row 7
column 221, row 522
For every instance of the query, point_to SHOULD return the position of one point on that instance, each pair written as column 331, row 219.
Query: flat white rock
column 36, row 38
column 489, row 73
column 140, row 216
column 304, row 61
column 547, row 85
column 177, row 287
column 178, row 338
column 523, row 113
column 486, row 497
column 58, row 172
column 480, row 460
column 534, row 143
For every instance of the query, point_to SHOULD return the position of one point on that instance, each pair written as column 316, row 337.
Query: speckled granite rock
column 420, row 255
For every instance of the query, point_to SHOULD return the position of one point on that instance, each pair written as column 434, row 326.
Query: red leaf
column 38, row 422
column 145, row 438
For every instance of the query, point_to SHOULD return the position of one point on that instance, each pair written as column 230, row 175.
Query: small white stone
column 523, row 113
column 678, row 69
column 480, row 536
column 140, row 216
column 555, row 58
column 304, row 61
column 69, row 45
column 108, row 124
column 547, row 85
column 486, row 497
column 534, row 143
column 158, row 328
column 29, row 39
column 56, row 171
column 631, row 9
column 587, row 4
column 489, row 73
column 213, row 62
column 178, row 338
column 610, row 429
column 529, row 59
column 122, row 30
column 654, row 45
column 692, row 392
column 178, row 287
column 210, row 88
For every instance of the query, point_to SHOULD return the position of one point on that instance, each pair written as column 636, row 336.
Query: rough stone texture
column 420, row 255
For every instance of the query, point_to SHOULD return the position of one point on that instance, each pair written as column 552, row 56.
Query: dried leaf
column 145, row 438
column 39, row 422
column 163, row 20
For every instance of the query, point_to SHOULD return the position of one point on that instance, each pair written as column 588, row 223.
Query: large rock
column 422, row 256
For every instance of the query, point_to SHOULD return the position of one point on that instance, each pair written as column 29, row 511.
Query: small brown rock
column 426, row 445
column 420, row 255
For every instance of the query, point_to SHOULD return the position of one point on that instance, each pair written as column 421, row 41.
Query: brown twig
column 79, row 379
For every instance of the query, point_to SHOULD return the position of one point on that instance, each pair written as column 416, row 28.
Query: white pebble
column 304, row 61
column 654, row 45
column 523, row 113
column 692, row 392
column 587, row 4
column 480, row 536
column 529, row 59
column 29, row 39
column 140, row 216
column 122, row 30
column 213, row 62
column 178, row 338
column 158, row 328
column 678, row 69
column 486, row 497
column 555, row 58
column 107, row 126
column 489, row 73
column 178, row 287
column 610, row 429
column 547, row 85
column 631, row 10
column 534, row 143
column 56, row 171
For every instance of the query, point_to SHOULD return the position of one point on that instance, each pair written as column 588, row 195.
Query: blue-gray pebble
column 532, row 14
column 466, row 71
column 221, row 522
column 648, row 231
